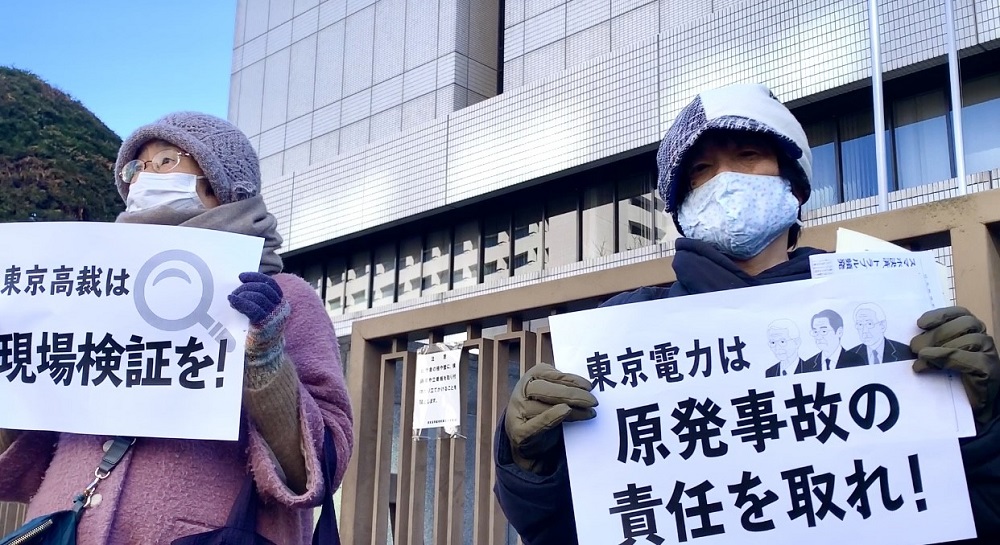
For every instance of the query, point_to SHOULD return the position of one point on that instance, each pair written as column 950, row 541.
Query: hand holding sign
column 542, row 400
column 260, row 299
column 955, row 340
column 257, row 297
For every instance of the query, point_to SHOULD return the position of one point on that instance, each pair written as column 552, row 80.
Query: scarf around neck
column 245, row 217
column 700, row 268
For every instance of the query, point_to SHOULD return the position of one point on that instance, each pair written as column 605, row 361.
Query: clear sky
column 128, row 61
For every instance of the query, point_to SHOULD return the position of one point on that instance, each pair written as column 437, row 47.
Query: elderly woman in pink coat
column 197, row 170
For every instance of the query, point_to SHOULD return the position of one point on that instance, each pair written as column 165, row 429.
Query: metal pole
column 878, row 107
column 956, row 95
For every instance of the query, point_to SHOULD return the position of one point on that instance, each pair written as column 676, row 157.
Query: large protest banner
column 761, row 416
column 114, row 329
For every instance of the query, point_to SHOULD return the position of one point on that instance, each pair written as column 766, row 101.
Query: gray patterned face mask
column 739, row 214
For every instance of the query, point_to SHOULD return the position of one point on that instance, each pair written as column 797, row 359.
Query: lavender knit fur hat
column 221, row 150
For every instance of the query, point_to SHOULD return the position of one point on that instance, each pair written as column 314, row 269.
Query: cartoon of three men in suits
column 827, row 329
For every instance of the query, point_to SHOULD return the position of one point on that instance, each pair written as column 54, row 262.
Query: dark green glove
column 955, row 340
column 542, row 400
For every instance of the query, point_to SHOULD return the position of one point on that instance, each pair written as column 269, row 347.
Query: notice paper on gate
column 437, row 399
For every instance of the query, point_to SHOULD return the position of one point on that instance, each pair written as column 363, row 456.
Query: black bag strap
column 326, row 527
column 115, row 453
column 112, row 456
column 244, row 512
column 241, row 526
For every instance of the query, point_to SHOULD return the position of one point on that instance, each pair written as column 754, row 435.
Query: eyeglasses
column 164, row 161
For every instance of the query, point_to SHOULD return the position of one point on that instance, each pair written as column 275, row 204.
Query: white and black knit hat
column 222, row 151
column 739, row 107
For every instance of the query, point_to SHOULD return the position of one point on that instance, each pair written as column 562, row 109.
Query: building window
column 357, row 281
column 825, row 164
column 561, row 239
column 360, row 295
column 409, row 264
column 384, row 281
column 336, row 279
column 857, row 155
column 641, row 201
column 665, row 231
column 635, row 212
column 598, row 221
column 980, row 122
column 496, row 247
column 437, row 265
column 843, row 149
column 527, row 238
column 918, row 140
column 637, row 229
column 385, row 294
column 313, row 274
column 465, row 271
column 922, row 139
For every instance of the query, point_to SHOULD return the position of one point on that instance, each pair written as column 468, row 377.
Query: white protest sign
column 719, row 421
column 122, row 329
column 437, row 400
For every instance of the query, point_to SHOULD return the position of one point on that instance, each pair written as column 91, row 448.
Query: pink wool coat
column 168, row 488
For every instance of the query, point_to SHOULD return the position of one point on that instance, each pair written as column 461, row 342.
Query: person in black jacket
column 734, row 170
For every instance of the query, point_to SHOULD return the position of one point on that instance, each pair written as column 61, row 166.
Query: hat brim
column 148, row 133
column 730, row 123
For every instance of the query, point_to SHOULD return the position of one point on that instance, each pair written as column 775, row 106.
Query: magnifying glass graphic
column 200, row 313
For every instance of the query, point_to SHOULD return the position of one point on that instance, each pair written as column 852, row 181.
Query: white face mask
column 178, row 190
column 739, row 214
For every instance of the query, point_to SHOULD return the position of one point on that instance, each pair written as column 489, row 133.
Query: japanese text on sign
column 437, row 400
column 701, row 435
column 100, row 358
column 88, row 280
